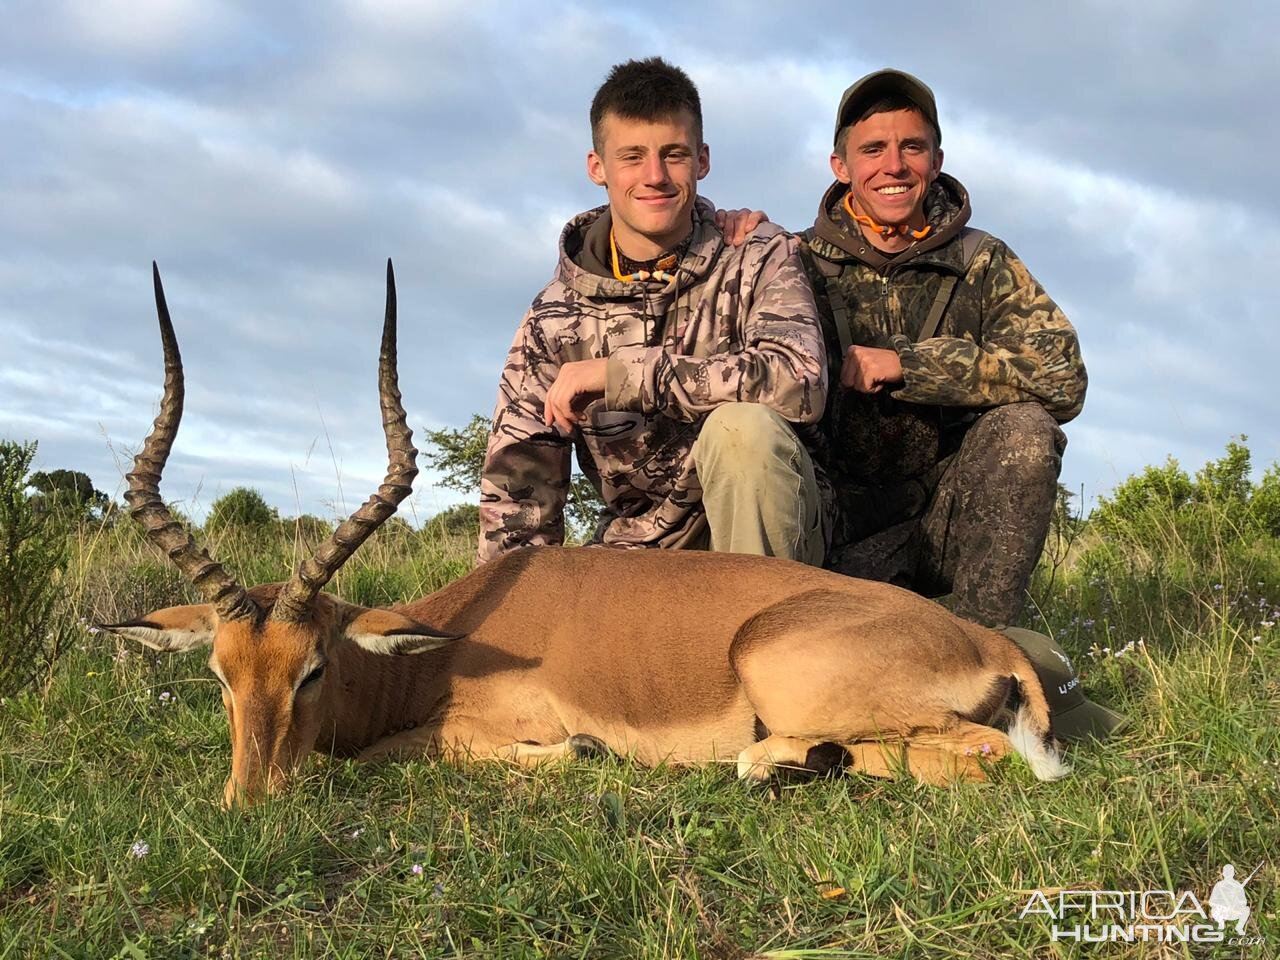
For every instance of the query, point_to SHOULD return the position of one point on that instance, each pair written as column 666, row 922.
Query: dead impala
column 682, row 657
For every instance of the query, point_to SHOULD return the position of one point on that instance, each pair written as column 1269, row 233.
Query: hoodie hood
column 585, row 261
column 946, row 208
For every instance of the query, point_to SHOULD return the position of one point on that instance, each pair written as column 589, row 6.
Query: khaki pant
column 758, row 486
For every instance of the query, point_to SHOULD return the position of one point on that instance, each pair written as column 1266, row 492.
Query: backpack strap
column 829, row 273
column 970, row 240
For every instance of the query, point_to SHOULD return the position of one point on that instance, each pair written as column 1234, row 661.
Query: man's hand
column 870, row 369
column 738, row 225
column 578, row 383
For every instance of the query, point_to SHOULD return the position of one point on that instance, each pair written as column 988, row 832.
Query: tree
column 459, row 456
column 241, row 507
column 68, row 491
column 33, row 554
column 461, row 520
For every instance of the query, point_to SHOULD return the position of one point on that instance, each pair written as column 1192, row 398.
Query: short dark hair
column 649, row 89
column 890, row 104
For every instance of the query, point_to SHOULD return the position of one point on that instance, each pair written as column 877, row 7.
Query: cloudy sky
column 272, row 156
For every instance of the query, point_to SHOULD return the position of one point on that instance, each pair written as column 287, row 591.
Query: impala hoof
column 586, row 747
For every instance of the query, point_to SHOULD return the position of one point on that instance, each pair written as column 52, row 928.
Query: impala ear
column 171, row 630
column 384, row 631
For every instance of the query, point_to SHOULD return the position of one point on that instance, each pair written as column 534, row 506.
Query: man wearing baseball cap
column 951, row 368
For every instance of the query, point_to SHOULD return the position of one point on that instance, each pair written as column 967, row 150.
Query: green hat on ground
column 1075, row 716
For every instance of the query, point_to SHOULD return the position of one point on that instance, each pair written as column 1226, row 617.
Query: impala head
column 272, row 645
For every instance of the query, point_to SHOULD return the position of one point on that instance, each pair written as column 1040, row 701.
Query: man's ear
column 937, row 162
column 840, row 168
column 704, row 160
column 171, row 630
column 387, row 632
column 595, row 169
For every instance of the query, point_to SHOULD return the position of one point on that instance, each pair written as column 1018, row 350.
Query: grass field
column 113, row 843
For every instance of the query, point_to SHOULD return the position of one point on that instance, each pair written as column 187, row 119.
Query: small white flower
column 139, row 849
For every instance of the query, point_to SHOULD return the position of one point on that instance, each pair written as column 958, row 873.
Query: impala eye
column 312, row 677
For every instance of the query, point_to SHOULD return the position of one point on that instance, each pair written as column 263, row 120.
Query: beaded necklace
column 660, row 269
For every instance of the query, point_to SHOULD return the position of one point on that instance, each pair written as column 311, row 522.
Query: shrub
column 34, row 627
column 461, row 520
column 242, row 507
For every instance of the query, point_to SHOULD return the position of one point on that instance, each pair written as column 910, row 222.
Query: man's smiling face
column 650, row 169
column 889, row 162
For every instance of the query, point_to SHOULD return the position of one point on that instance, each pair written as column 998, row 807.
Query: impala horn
column 145, row 505
column 293, row 605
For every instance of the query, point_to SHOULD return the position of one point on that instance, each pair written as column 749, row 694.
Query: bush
column 34, row 627
column 1168, row 547
column 1265, row 501
column 462, row 520
column 242, row 507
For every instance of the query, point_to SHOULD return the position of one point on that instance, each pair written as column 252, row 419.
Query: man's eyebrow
column 871, row 144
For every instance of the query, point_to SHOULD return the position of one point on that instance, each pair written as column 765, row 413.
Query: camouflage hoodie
column 1001, row 340
column 733, row 325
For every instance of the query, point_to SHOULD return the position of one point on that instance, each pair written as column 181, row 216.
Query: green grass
column 605, row 859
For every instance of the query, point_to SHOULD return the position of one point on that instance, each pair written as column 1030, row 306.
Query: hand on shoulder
column 737, row 225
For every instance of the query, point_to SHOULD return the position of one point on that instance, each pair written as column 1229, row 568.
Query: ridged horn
column 145, row 505
column 294, row 601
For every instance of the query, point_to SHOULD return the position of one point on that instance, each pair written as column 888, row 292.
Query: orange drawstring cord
column 885, row 231
column 659, row 274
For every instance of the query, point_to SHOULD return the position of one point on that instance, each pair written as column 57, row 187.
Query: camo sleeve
column 1028, row 349
column 525, row 480
column 780, row 360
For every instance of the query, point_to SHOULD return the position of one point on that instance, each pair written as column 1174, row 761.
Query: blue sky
column 271, row 157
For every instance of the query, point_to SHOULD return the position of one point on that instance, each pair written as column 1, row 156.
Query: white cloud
column 272, row 157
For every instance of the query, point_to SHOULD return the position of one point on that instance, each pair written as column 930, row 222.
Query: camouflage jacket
column 1002, row 339
column 733, row 325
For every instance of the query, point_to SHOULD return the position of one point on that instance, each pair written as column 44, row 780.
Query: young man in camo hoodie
column 951, row 368
column 678, row 367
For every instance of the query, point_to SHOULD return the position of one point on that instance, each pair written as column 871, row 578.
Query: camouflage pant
column 974, row 526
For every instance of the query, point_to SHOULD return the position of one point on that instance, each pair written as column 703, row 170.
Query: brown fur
column 682, row 657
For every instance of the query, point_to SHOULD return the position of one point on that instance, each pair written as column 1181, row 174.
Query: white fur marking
column 1044, row 762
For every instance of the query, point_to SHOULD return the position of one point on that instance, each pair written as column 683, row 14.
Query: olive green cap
column 881, row 84
column 1074, row 715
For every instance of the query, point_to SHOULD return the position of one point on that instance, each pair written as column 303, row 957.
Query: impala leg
column 404, row 743
column 532, row 754
column 580, row 746
column 765, row 757
column 954, row 755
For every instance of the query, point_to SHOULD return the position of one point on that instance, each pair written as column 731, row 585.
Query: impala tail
column 1031, row 732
